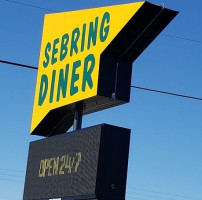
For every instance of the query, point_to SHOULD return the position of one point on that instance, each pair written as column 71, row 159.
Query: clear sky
column 166, row 143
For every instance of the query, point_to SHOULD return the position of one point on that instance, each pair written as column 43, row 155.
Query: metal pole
column 78, row 116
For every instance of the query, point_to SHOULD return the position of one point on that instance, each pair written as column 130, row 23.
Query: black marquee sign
column 90, row 163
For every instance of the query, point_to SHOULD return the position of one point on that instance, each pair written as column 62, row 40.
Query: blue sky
column 166, row 142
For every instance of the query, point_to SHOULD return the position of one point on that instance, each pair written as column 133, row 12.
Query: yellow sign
column 70, row 57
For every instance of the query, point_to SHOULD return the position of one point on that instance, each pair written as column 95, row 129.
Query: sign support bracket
column 78, row 115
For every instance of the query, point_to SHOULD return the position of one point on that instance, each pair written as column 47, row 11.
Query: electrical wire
column 128, row 197
column 4, row 179
column 136, row 198
column 42, row 8
column 168, row 93
column 10, row 175
column 136, row 87
column 17, row 64
column 29, row 5
column 12, row 170
column 144, row 195
column 163, row 193
column 181, row 38
column 132, row 86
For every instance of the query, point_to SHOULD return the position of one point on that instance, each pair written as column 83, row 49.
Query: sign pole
column 78, row 116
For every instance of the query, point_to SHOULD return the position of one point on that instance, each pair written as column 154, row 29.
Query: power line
column 132, row 86
column 169, row 194
column 10, row 175
column 144, row 195
column 17, row 64
column 29, row 5
column 4, row 179
column 181, row 38
column 42, row 8
column 157, row 197
column 168, row 93
column 136, row 198
column 12, row 170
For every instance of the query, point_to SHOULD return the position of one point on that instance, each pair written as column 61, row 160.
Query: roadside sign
column 83, row 164
column 86, row 56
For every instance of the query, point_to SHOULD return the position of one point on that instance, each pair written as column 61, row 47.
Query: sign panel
column 87, row 56
column 84, row 164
